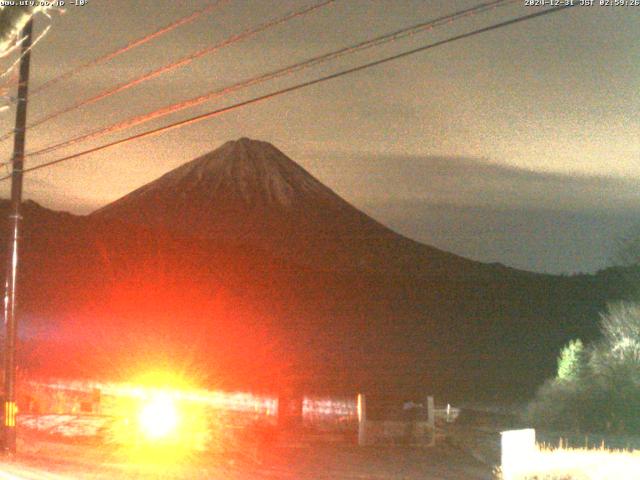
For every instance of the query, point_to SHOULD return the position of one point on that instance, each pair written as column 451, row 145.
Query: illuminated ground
column 40, row 459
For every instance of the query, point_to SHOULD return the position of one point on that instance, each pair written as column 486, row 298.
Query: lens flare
column 159, row 421
column 159, row 417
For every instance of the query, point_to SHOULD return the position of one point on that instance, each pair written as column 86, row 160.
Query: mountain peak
column 250, row 192
column 239, row 175
column 249, row 142
column 244, row 176
column 252, row 172
column 248, row 147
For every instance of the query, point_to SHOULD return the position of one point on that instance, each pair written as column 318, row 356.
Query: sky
column 519, row 146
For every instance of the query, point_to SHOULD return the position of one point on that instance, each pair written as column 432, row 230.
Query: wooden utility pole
column 11, row 327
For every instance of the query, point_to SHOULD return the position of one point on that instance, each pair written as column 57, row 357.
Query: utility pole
column 17, row 163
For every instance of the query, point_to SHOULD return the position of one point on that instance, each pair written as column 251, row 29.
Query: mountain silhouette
column 241, row 268
column 249, row 192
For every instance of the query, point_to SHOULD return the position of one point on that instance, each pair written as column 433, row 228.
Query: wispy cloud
column 472, row 182
column 541, row 221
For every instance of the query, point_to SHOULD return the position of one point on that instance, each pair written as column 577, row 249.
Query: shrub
column 596, row 389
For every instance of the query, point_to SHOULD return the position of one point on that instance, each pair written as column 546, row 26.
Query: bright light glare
column 159, row 417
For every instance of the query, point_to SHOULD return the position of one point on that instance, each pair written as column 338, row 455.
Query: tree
column 597, row 388
column 572, row 361
column 620, row 327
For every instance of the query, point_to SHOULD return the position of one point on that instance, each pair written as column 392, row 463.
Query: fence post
column 362, row 420
column 431, row 420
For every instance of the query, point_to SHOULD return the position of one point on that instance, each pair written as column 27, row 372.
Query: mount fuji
column 242, row 266
column 249, row 192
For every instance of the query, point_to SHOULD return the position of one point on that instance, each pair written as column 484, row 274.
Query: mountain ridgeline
column 248, row 192
column 244, row 270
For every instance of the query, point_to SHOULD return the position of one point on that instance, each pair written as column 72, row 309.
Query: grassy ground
column 562, row 456
column 577, row 464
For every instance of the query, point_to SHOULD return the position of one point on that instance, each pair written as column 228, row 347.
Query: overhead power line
column 130, row 46
column 299, row 86
column 176, row 64
column 286, row 71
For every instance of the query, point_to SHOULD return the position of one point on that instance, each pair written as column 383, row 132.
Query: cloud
column 533, row 239
column 472, row 182
column 540, row 221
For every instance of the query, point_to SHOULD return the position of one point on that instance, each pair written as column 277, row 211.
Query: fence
column 81, row 408
column 66, row 407
column 390, row 421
